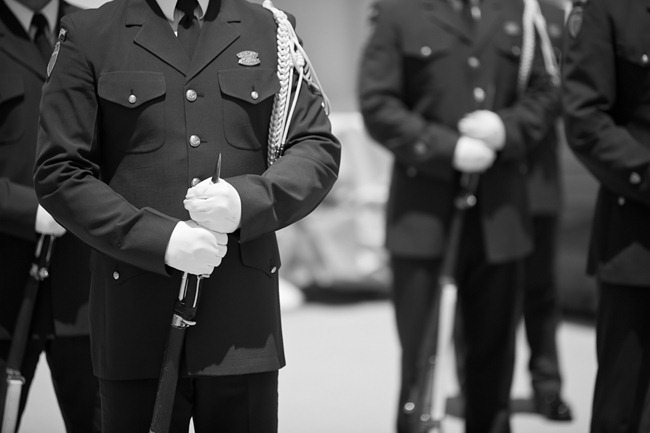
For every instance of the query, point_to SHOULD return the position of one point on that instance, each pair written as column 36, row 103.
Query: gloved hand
column 216, row 206
column 484, row 125
column 472, row 155
column 46, row 225
column 195, row 249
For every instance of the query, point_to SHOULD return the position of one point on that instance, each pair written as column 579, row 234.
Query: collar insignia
column 248, row 58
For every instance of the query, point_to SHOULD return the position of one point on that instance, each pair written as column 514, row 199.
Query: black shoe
column 553, row 407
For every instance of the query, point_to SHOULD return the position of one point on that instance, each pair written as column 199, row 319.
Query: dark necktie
column 188, row 27
column 40, row 38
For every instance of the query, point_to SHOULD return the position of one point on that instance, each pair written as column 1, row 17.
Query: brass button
column 425, row 51
column 621, row 201
column 479, row 94
column 635, row 178
column 645, row 59
column 190, row 95
column 116, row 275
column 254, row 94
column 195, row 141
column 195, row 181
column 274, row 270
column 133, row 99
column 473, row 62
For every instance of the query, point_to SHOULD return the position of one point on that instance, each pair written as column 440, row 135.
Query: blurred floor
column 342, row 374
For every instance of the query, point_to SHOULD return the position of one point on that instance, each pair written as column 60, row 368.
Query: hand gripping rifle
column 427, row 400
column 183, row 318
column 11, row 388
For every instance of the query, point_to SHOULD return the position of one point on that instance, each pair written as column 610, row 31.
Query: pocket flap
column 131, row 89
column 251, row 85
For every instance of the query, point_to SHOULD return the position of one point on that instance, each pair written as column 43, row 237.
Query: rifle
column 427, row 397
column 184, row 312
column 12, row 386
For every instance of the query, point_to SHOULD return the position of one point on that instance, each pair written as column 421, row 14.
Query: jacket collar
column 156, row 34
column 443, row 13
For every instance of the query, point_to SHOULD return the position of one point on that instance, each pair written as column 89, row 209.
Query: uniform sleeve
column 300, row 179
column 18, row 206
column 67, row 170
column 427, row 146
column 607, row 149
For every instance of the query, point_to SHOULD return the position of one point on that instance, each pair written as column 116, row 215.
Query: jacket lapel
column 156, row 35
column 216, row 34
column 444, row 15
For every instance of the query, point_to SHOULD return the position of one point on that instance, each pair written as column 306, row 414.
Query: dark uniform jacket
column 421, row 72
column 65, row 301
column 607, row 114
column 116, row 158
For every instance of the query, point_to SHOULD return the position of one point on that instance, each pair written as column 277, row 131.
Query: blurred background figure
column 441, row 87
column 605, row 101
column 59, row 328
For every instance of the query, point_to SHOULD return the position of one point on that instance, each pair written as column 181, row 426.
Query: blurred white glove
column 216, row 206
column 472, row 155
column 46, row 225
column 195, row 249
column 484, row 125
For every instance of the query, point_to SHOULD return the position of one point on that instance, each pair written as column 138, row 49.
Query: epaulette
column 292, row 58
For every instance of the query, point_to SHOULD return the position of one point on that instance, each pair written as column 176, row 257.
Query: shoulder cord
column 534, row 20
column 291, row 56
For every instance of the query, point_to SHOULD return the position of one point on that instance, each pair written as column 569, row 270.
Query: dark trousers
column 76, row 388
column 224, row 404
column 489, row 297
column 621, row 401
column 541, row 311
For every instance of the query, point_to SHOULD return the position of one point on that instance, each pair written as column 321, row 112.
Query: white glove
column 195, row 249
column 46, row 225
column 484, row 125
column 472, row 155
column 216, row 206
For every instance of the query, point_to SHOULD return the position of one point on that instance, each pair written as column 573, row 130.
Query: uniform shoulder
column 258, row 10
column 94, row 20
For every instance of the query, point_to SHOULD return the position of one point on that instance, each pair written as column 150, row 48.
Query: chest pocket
column 134, row 104
column 12, row 119
column 247, row 105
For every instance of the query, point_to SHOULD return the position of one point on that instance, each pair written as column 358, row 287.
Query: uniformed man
column 439, row 88
column 141, row 99
column 59, row 328
column 605, row 98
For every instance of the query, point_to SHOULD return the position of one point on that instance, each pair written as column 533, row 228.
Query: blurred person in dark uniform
column 541, row 302
column 142, row 98
column 59, row 326
column 439, row 88
column 606, row 79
